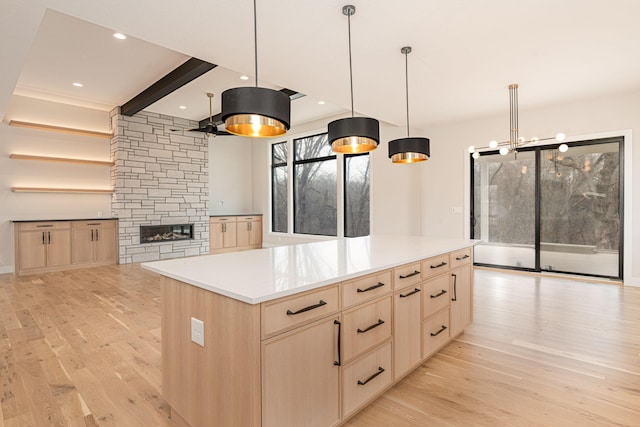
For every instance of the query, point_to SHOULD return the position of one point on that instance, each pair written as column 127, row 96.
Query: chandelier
column 515, row 141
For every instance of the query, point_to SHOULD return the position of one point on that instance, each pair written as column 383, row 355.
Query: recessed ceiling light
column 119, row 36
column 321, row 102
column 76, row 84
column 244, row 78
column 183, row 107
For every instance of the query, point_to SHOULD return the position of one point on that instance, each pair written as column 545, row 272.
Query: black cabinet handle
column 43, row 238
column 339, row 361
column 302, row 310
column 444, row 328
column 414, row 291
column 97, row 235
column 44, row 225
column 380, row 370
column 439, row 294
column 370, row 288
column 48, row 237
column 455, row 288
column 462, row 257
column 375, row 325
column 410, row 275
column 442, row 264
column 92, row 235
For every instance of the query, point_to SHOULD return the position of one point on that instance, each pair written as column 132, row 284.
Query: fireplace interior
column 165, row 233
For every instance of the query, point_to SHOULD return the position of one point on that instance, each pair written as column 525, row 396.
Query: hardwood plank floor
column 82, row 348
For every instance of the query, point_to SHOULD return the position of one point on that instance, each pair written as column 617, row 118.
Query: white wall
column 395, row 189
column 22, row 173
column 231, row 175
column 445, row 185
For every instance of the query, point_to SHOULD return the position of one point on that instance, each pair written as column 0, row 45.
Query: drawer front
column 436, row 265
column 93, row 224
column 249, row 218
column 283, row 314
column 43, row 226
column 365, row 288
column 366, row 327
column 461, row 257
column 365, row 378
column 221, row 219
column 435, row 332
column 406, row 275
column 437, row 294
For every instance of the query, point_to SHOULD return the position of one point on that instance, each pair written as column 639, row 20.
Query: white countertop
column 261, row 275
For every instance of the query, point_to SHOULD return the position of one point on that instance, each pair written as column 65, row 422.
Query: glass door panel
column 504, row 209
column 580, row 210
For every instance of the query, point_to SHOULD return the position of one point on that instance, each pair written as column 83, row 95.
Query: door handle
column 92, row 234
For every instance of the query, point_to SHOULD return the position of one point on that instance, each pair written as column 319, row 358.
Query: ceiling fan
column 210, row 128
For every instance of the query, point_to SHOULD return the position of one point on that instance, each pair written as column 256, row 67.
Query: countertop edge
column 62, row 220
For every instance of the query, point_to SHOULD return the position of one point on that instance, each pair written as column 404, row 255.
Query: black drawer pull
column 44, row 225
column 442, row 264
column 414, row 291
column 375, row 325
column 94, row 223
column 462, row 257
column 302, row 310
column 444, row 328
column 410, row 275
column 439, row 294
column 370, row 288
column 380, row 370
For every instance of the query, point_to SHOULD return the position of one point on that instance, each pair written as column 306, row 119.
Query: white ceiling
column 465, row 53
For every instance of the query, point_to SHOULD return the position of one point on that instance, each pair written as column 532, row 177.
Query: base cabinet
column 461, row 299
column 94, row 242
column 407, row 322
column 235, row 233
column 301, row 377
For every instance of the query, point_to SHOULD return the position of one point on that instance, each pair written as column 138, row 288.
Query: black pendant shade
column 354, row 135
column 256, row 111
column 409, row 150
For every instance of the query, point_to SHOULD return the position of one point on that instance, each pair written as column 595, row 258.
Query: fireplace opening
column 165, row 233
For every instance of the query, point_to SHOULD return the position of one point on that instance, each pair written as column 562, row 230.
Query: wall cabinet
column 314, row 358
column 94, row 242
column 235, row 233
column 43, row 246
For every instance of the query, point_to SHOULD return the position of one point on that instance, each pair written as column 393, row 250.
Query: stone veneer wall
column 160, row 176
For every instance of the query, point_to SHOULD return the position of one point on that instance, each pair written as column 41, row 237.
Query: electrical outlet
column 197, row 331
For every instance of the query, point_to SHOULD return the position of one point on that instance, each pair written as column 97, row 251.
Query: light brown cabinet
column 234, row 233
column 313, row 358
column 43, row 246
column 93, row 242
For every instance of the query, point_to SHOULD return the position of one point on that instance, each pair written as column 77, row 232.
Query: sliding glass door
column 547, row 210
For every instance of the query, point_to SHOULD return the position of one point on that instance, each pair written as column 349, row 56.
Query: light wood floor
column 82, row 348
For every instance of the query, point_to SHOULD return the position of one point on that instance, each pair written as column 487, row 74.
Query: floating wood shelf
column 61, row 159
column 61, row 190
column 73, row 131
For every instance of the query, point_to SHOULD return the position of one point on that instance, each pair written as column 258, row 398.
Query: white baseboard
column 6, row 269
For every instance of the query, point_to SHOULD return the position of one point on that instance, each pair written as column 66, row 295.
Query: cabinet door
column 58, row 247
column 407, row 330
column 216, row 236
column 461, row 299
column 32, row 251
column 255, row 232
column 83, row 247
column 300, row 380
column 106, row 242
column 230, row 235
column 243, row 231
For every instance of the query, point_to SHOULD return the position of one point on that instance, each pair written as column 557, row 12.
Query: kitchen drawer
column 461, row 257
column 249, row 218
column 436, row 265
column 406, row 275
column 437, row 294
column 435, row 332
column 43, row 226
column 365, row 288
column 366, row 327
column 286, row 313
column 365, row 378
column 108, row 223
column 221, row 219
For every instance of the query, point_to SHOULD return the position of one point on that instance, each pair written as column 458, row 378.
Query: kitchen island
column 306, row 334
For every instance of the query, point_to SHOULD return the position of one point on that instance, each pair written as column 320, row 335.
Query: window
column 279, row 178
column 314, row 187
column 329, row 198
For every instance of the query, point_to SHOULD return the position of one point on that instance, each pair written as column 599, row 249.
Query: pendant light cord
column 255, row 39
column 350, row 66
column 406, row 80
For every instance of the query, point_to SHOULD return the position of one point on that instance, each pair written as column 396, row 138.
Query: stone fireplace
column 160, row 178
column 165, row 233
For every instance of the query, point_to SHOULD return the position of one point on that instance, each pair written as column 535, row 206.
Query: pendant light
column 408, row 150
column 353, row 134
column 256, row 111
